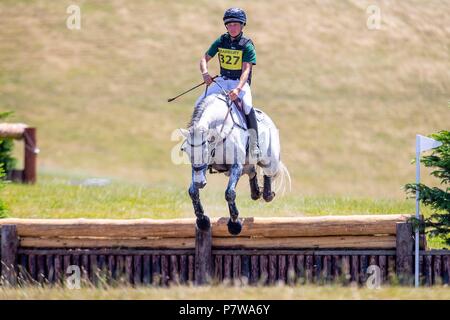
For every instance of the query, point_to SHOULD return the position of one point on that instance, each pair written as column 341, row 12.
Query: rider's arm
column 246, row 68
column 204, row 62
column 208, row 56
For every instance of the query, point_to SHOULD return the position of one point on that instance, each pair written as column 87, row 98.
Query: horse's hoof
column 256, row 195
column 234, row 228
column 203, row 223
column 255, row 190
column 269, row 197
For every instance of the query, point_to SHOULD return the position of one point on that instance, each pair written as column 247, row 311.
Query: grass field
column 67, row 197
column 348, row 102
column 231, row 293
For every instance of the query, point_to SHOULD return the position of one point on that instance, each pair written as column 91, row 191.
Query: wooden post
column 245, row 269
column 203, row 256
column 404, row 253
column 29, row 171
column 9, row 244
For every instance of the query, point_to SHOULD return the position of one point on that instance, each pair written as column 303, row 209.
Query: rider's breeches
column 245, row 94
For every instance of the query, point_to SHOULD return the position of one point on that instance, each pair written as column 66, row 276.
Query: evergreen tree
column 6, row 147
column 438, row 224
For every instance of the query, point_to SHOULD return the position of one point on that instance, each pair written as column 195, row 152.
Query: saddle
column 242, row 118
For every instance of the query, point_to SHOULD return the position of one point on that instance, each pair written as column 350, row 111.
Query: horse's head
column 196, row 147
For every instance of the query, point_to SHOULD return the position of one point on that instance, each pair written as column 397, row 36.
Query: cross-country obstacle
column 20, row 131
column 290, row 250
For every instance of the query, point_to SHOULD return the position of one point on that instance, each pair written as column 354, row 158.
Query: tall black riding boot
column 252, row 125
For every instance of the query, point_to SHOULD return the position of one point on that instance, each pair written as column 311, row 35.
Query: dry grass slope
column 348, row 100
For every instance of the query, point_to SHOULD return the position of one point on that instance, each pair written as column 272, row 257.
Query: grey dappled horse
column 218, row 140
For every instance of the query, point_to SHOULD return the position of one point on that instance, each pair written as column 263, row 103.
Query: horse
column 217, row 138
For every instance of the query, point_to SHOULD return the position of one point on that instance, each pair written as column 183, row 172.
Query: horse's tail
column 281, row 180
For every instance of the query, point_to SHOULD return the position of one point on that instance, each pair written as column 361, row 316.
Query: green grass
column 59, row 196
column 64, row 197
column 227, row 293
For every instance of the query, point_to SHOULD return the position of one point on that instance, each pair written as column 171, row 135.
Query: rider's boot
column 252, row 125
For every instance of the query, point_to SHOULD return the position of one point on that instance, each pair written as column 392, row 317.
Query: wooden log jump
column 281, row 227
column 269, row 250
column 22, row 131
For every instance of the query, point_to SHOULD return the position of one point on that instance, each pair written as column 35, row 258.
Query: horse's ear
column 184, row 132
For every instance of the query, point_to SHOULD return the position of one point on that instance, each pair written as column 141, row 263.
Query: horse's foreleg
column 234, row 225
column 202, row 220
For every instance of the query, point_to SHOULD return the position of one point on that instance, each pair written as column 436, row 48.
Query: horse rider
column 236, row 55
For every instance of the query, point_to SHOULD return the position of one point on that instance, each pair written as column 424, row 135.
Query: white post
column 422, row 144
column 416, row 271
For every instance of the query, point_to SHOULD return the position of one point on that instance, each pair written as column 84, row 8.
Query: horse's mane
column 201, row 107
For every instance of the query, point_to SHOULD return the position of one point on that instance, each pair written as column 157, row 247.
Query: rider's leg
column 252, row 124
column 253, row 131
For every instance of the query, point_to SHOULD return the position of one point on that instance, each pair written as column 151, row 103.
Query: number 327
column 228, row 59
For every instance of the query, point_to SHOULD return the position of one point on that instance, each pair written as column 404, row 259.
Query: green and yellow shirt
column 232, row 53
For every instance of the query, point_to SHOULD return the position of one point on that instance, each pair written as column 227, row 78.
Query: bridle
column 198, row 145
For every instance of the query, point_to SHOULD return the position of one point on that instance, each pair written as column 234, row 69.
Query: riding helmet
column 235, row 15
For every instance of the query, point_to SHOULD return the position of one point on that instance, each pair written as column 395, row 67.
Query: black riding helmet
column 234, row 15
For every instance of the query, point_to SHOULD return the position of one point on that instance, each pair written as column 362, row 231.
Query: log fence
column 297, row 250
